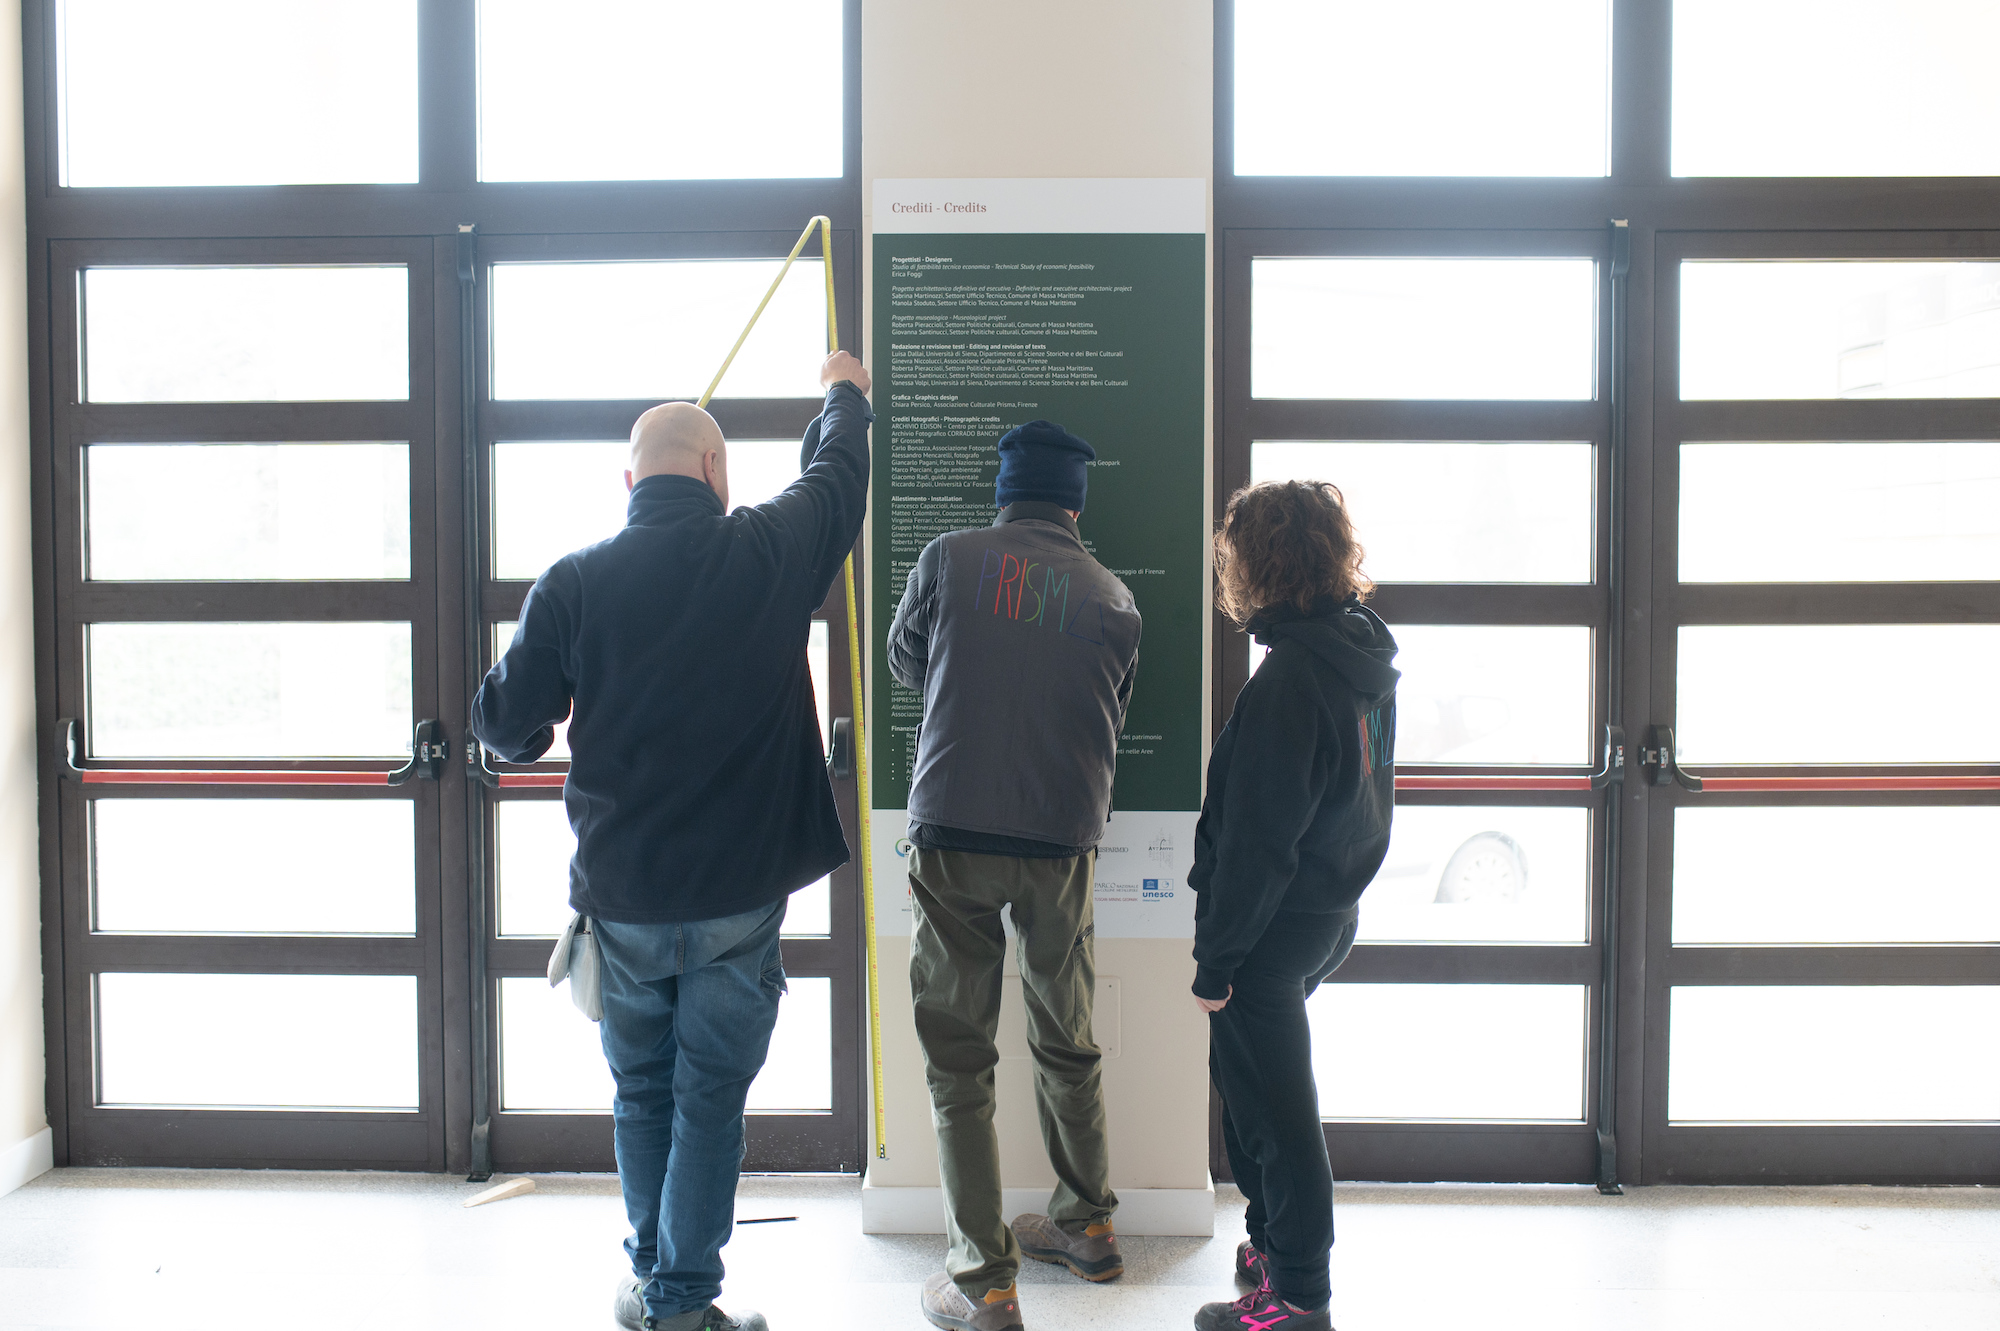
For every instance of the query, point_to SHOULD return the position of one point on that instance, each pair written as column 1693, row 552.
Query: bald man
column 698, row 793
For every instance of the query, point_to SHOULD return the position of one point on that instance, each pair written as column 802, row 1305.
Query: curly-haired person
column 1294, row 824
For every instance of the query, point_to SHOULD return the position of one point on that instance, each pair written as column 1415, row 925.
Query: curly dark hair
column 1286, row 543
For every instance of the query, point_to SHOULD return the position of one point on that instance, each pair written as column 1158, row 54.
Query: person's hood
column 1347, row 635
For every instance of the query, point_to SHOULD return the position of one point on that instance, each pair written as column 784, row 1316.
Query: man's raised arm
column 825, row 505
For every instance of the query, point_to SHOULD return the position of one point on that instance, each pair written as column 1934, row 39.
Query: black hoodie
column 1301, row 785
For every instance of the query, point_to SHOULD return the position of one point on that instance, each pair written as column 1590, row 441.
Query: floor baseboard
column 29, row 1160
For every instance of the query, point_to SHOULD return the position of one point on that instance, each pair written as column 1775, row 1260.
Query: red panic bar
column 103, row 776
column 1493, row 783
column 531, row 778
column 1854, row 783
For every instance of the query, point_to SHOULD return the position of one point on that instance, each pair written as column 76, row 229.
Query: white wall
column 24, row 1141
column 1049, row 88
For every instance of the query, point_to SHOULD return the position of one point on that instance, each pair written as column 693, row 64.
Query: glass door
column 1453, row 384
column 1824, row 941
column 577, row 336
column 245, row 604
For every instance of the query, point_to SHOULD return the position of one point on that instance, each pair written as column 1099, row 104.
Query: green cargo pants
column 956, row 949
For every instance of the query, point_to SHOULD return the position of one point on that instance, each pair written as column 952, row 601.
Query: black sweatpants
column 1260, row 1054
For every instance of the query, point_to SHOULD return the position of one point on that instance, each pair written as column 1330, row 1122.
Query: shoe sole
column 944, row 1323
column 1056, row 1258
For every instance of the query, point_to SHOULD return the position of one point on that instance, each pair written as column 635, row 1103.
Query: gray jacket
column 1025, row 649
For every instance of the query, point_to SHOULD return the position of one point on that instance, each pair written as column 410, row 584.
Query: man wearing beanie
column 1024, row 648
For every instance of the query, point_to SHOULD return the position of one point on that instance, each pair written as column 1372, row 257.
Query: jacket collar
column 660, row 499
column 1034, row 510
column 1323, row 608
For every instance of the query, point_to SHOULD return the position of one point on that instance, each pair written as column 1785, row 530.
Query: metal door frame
column 1662, row 211
column 251, row 1137
column 314, row 223
column 829, row 1142
column 1805, row 1152
column 1475, row 1151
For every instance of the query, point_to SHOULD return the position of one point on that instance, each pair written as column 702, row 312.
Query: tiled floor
column 219, row 1251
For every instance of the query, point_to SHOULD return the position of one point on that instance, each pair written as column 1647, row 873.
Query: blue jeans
column 688, row 1012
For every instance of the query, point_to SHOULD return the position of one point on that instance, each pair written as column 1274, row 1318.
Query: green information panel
column 977, row 330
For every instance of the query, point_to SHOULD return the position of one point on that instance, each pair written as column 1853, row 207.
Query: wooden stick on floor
column 500, row 1192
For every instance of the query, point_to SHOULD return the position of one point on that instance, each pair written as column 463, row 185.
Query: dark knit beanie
column 1043, row 463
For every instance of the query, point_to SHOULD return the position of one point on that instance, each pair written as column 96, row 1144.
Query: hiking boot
column 1260, row 1310
column 945, row 1305
column 630, row 1310
column 1092, row 1254
column 1253, row 1268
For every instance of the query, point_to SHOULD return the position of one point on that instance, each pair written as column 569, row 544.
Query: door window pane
column 1832, row 1053
column 809, row 913
column 1835, row 88
column 577, row 92
column 817, row 639
column 264, row 334
column 258, row 1041
column 1874, row 512
column 534, row 844
column 1438, row 329
column 1450, row 88
column 1450, row 512
column 249, row 690
column 1841, row 329
column 655, row 329
column 237, row 92
column 552, row 1061
column 1786, row 694
column 760, row 468
column 550, row 498
column 1492, row 694
column 209, row 866
column 1867, row 874
column 240, row 512
column 1449, row 1051
column 1481, row 874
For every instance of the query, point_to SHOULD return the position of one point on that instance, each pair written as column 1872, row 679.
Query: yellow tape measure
column 866, row 853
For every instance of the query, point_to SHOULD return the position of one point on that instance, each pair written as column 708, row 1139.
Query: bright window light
column 1447, row 88
column 659, row 89
column 237, row 92
column 1422, row 328
column 1836, row 88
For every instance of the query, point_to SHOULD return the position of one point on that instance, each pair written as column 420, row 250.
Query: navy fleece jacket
column 1301, row 784
column 697, row 784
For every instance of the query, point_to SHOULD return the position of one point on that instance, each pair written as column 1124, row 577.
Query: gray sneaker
column 1092, row 1254
column 629, row 1308
column 945, row 1305
column 710, row 1318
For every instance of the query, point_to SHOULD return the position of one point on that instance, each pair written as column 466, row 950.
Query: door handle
column 840, row 755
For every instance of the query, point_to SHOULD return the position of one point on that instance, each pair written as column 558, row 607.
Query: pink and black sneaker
column 1260, row 1310
column 1253, row 1268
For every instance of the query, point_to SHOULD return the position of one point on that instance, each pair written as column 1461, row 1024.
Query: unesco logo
column 1150, row 889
